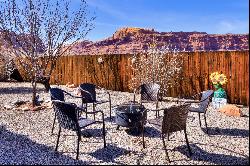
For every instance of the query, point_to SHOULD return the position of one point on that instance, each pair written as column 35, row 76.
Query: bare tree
column 157, row 64
column 37, row 32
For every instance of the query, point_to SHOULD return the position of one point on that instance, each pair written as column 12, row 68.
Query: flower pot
column 219, row 92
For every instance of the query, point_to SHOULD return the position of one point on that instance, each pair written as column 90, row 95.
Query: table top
column 130, row 107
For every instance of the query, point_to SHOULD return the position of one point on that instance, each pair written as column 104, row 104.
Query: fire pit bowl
column 130, row 115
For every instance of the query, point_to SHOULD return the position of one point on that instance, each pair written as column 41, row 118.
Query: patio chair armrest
column 67, row 93
column 73, row 104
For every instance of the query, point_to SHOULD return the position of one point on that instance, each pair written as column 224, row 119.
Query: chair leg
column 58, row 136
column 94, row 109
column 157, row 112
column 165, row 148
column 86, row 105
column 78, row 142
column 53, row 126
column 189, row 149
column 143, row 142
column 103, row 133
column 110, row 110
column 199, row 119
column 206, row 123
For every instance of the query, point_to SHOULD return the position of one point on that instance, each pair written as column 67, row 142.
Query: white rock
column 8, row 107
column 25, row 109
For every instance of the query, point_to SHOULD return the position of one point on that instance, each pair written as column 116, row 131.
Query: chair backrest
column 175, row 118
column 56, row 94
column 150, row 91
column 66, row 114
column 205, row 99
column 88, row 92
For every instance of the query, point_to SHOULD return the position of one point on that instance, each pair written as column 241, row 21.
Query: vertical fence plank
column 240, row 76
column 233, row 77
column 247, row 76
column 228, row 73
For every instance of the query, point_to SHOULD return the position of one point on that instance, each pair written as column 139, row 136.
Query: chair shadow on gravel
column 218, row 159
column 109, row 153
column 92, row 132
column 19, row 149
column 18, row 90
column 151, row 132
column 229, row 132
column 148, row 132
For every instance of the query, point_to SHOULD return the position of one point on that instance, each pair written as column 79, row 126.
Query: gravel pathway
column 25, row 137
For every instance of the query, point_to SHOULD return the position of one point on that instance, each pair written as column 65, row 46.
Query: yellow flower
column 217, row 78
column 222, row 79
column 214, row 75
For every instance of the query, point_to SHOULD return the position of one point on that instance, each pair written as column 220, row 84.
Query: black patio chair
column 67, row 116
column 59, row 94
column 88, row 92
column 204, row 100
column 149, row 94
column 173, row 120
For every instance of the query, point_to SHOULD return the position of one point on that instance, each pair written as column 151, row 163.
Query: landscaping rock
column 25, row 109
column 18, row 103
column 230, row 110
column 8, row 107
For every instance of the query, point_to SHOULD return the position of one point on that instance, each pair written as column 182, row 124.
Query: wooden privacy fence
column 115, row 73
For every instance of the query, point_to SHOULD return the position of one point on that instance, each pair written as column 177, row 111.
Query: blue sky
column 211, row 16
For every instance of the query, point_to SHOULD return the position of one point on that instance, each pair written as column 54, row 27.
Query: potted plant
column 218, row 80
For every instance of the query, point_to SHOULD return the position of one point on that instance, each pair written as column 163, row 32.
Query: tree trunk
column 34, row 93
column 46, row 84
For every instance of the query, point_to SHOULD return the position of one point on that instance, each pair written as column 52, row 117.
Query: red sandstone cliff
column 131, row 40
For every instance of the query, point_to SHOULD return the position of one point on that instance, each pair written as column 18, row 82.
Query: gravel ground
column 25, row 137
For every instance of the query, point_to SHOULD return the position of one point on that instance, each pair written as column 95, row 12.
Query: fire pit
column 131, row 115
